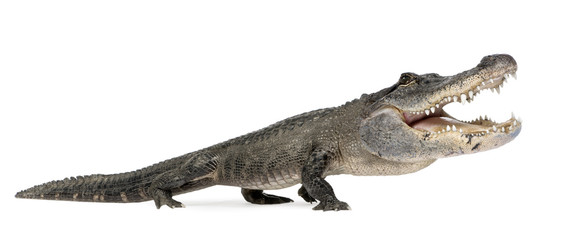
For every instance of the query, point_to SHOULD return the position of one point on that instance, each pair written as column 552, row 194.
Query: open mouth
column 435, row 120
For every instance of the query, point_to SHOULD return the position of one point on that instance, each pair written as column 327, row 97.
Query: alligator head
column 407, row 122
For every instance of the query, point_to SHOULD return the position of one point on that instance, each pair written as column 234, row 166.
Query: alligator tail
column 122, row 188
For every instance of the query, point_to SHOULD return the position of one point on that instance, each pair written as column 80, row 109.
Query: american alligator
column 400, row 129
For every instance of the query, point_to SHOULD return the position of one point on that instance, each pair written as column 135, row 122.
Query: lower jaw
column 443, row 122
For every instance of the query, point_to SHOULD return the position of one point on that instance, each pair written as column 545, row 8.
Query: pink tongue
column 435, row 124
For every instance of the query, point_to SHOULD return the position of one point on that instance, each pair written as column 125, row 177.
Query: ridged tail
column 122, row 187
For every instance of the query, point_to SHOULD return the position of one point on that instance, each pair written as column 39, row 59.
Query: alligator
column 398, row 130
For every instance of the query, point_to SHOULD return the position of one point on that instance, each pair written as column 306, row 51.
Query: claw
column 332, row 206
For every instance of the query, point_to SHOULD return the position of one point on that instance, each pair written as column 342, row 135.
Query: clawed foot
column 162, row 197
column 169, row 202
column 258, row 197
column 332, row 204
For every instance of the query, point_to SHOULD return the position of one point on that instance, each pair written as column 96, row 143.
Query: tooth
column 478, row 88
column 494, row 128
column 432, row 109
column 487, row 131
column 454, row 128
column 515, row 123
column 448, row 128
column 482, row 83
column 512, row 115
column 437, row 106
column 427, row 112
column 461, row 131
column 491, row 81
column 514, row 75
column 498, row 89
column 470, row 94
column 510, row 128
column 463, row 98
column 455, row 98
column 502, row 129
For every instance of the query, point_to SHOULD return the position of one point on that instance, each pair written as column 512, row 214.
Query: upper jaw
column 491, row 73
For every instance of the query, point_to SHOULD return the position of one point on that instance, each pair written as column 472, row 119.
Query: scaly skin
column 398, row 130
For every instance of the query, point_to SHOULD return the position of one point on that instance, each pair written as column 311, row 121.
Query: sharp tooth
column 498, row 89
column 463, row 98
column 514, row 75
column 461, row 131
column 494, row 128
column 437, row 106
column 512, row 115
column 491, row 81
column 454, row 128
column 487, row 131
column 448, row 128
column 510, row 128
column 482, row 83
column 427, row 112
column 478, row 88
column 515, row 123
column 432, row 109
column 470, row 94
column 455, row 98
column 502, row 129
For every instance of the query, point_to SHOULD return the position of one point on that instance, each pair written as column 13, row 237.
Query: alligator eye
column 407, row 79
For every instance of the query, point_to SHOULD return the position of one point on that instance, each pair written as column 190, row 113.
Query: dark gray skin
column 398, row 130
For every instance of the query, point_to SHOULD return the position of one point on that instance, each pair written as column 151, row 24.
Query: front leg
column 315, row 184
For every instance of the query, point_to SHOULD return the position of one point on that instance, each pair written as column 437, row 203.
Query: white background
column 112, row 86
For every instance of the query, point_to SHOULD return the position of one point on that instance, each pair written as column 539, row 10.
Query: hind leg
column 194, row 175
column 258, row 197
column 162, row 186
